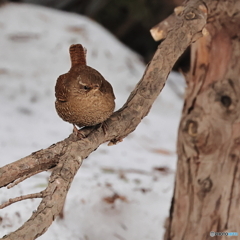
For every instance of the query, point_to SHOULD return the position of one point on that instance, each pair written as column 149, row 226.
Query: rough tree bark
column 207, row 194
column 66, row 157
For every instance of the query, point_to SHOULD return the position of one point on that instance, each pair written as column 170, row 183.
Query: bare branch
column 36, row 162
column 21, row 179
column 161, row 30
column 18, row 199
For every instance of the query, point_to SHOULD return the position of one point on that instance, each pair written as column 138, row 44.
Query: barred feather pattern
column 78, row 55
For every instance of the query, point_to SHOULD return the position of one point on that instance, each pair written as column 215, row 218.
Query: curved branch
column 68, row 154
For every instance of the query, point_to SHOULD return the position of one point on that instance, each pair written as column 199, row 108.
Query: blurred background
column 129, row 20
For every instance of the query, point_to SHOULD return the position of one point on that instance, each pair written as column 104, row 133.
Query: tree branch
column 18, row 199
column 65, row 157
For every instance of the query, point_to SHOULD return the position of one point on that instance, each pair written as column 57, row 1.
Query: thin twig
column 18, row 199
column 17, row 181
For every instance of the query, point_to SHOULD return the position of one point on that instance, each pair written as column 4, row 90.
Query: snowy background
column 34, row 45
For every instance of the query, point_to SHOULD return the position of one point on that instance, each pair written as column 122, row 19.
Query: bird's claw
column 104, row 127
column 78, row 133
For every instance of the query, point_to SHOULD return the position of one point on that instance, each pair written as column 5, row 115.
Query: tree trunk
column 207, row 193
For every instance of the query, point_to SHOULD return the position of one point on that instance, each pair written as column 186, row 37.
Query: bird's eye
column 86, row 87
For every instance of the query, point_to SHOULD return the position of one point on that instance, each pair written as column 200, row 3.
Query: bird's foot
column 78, row 133
column 104, row 127
column 75, row 130
column 84, row 132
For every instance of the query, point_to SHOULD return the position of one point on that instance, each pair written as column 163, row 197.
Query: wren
column 83, row 96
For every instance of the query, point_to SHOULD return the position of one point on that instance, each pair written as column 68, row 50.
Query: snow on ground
column 34, row 45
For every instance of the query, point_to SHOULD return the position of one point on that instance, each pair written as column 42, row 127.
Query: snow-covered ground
column 34, row 45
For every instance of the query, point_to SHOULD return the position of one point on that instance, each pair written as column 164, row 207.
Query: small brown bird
column 83, row 96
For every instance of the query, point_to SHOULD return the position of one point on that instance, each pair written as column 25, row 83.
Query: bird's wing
column 60, row 88
column 107, row 88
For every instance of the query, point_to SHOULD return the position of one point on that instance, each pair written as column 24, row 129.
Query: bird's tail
column 78, row 55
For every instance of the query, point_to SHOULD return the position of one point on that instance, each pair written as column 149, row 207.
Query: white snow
column 34, row 45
